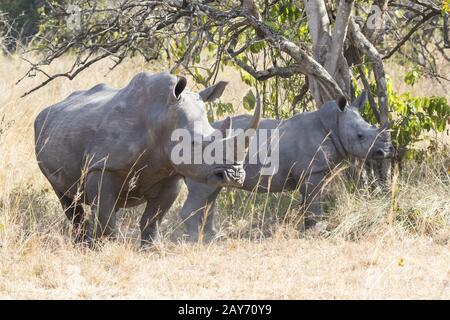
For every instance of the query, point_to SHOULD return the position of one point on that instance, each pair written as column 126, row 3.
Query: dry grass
column 372, row 245
column 279, row 268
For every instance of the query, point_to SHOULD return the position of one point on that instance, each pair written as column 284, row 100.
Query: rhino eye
column 360, row 136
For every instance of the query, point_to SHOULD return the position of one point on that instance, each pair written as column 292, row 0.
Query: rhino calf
column 111, row 148
column 310, row 145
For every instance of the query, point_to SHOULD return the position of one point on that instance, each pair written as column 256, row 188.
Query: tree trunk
column 366, row 47
column 328, row 50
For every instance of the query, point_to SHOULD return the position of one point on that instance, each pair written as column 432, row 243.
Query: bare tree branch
column 411, row 32
column 308, row 64
column 284, row 72
column 446, row 31
column 371, row 100
column 366, row 47
column 319, row 27
column 301, row 94
column 339, row 35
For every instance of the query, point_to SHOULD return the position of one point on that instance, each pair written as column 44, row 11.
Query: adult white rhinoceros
column 111, row 148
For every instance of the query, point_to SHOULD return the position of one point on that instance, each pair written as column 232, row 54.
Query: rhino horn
column 247, row 134
column 254, row 123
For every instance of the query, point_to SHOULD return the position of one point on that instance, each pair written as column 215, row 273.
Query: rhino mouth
column 381, row 153
column 226, row 177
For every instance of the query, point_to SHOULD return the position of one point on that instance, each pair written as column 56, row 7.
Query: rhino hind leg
column 311, row 191
column 102, row 192
column 75, row 214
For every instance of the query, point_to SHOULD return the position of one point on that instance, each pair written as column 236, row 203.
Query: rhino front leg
column 208, row 230
column 156, row 209
column 198, row 210
column 102, row 192
column 312, row 194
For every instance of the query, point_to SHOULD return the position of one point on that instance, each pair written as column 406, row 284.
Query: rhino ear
column 341, row 102
column 360, row 101
column 179, row 87
column 214, row 92
column 225, row 128
column 177, row 90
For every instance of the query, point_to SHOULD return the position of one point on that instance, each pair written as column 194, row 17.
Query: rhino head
column 352, row 134
column 197, row 134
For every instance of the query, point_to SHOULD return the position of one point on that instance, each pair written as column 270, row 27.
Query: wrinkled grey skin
column 310, row 145
column 110, row 148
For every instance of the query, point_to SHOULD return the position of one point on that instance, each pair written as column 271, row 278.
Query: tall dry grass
column 370, row 245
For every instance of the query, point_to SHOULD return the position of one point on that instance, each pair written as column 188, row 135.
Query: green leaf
column 249, row 100
column 197, row 58
column 223, row 108
column 247, row 78
column 257, row 47
column 411, row 77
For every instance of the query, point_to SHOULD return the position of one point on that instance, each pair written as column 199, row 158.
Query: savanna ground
column 371, row 244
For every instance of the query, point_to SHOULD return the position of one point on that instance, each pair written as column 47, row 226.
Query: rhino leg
column 312, row 196
column 207, row 228
column 75, row 214
column 102, row 192
column 156, row 208
column 198, row 210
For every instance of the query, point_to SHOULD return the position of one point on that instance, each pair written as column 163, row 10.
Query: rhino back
column 62, row 132
column 242, row 121
column 97, row 124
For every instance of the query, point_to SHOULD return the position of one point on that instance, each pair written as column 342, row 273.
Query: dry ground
column 373, row 245
column 278, row 268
